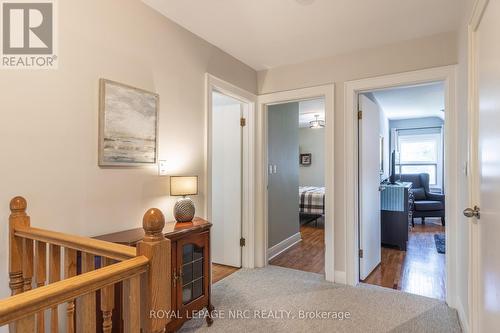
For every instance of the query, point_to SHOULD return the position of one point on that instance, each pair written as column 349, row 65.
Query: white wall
column 438, row 50
column 312, row 140
column 49, row 119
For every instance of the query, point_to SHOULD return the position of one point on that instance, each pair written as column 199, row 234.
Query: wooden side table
column 191, row 270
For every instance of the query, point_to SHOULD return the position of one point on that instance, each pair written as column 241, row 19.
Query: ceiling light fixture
column 317, row 123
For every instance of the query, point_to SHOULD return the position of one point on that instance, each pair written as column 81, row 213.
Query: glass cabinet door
column 193, row 257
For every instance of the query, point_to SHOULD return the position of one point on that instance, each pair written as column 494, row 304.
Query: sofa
column 425, row 203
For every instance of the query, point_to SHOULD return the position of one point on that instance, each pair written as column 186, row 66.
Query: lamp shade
column 182, row 185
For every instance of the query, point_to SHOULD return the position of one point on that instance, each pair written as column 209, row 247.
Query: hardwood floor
column 221, row 271
column 307, row 255
column 421, row 270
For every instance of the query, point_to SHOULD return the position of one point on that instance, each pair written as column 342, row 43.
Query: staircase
column 37, row 257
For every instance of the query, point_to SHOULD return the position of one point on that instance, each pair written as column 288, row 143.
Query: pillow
column 419, row 193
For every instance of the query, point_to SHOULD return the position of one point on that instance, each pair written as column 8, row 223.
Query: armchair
column 426, row 204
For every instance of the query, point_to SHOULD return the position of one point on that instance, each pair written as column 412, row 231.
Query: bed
column 312, row 200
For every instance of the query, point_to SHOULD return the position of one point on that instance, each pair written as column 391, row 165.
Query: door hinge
column 360, row 253
column 243, row 122
column 360, row 114
column 242, row 241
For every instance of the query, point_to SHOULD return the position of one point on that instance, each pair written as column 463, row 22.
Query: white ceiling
column 270, row 33
column 412, row 102
column 309, row 109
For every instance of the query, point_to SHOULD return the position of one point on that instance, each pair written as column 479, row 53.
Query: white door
column 369, row 180
column 226, row 179
column 486, row 174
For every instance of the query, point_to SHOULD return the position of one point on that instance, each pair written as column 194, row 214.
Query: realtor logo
column 28, row 34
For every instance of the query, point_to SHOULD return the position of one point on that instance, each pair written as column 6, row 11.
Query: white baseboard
column 464, row 319
column 283, row 246
column 340, row 277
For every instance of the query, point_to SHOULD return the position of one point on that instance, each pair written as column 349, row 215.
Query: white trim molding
column 261, row 238
column 283, row 246
column 352, row 89
column 248, row 196
column 340, row 277
column 462, row 317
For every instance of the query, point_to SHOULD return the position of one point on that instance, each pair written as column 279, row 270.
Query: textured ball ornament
column 184, row 210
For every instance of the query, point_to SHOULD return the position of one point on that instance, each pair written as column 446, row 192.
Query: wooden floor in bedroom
column 420, row 270
column 307, row 255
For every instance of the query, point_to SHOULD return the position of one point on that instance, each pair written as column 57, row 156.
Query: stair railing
column 37, row 257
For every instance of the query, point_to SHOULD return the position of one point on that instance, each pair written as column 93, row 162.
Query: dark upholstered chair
column 426, row 204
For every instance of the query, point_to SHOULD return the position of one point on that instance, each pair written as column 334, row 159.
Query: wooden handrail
column 84, row 244
column 142, row 293
column 28, row 303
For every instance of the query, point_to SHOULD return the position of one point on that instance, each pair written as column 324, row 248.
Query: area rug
column 276, row 299
column 440, row 242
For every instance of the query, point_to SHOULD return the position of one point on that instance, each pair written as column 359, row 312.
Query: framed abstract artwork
column 128, row 125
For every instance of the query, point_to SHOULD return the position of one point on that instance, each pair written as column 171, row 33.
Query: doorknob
column 473, row 212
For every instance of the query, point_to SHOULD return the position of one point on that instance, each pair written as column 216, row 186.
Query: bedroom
column 402, row 189
column 296, row 184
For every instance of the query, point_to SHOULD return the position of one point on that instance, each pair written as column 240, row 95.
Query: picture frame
column 305, row 159
column 128, row 125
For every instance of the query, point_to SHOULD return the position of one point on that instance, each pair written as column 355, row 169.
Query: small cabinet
column 191, row 277
column 191, row 272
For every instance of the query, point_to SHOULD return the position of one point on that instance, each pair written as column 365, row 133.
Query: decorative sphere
column 184, row 210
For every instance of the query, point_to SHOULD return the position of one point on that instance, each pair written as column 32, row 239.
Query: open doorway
column 296, row 184
column 226, row 174
column 230, row 171
column 402, row 220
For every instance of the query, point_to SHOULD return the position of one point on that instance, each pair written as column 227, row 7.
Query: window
column 420, row 153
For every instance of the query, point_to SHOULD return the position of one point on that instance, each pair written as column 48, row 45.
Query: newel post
column 18, row 218
column 156, row 294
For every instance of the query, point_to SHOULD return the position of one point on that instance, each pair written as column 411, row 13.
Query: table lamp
column 183, row 186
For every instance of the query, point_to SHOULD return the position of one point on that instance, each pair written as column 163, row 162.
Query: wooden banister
column 54, row 276
column 41, row 276
column 32, row 248
column 107, row 303
column 30, row 302
column 84, row 244
column 85, row 305
column 69, row 272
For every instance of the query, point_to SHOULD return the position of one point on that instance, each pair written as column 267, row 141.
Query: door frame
column 352, row 89
column 261, row 231
column 474, row 291
column 212, row 84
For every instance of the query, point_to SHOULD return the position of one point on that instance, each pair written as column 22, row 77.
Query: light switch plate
column 162, row 168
